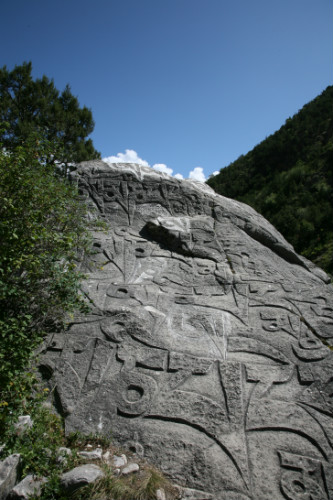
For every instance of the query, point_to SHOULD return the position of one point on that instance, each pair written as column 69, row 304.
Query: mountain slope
column 288, row 178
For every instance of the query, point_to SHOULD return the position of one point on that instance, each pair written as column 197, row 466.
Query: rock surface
column 80, row 476
column 29, row 486
column 9, row 473
column 206, row 347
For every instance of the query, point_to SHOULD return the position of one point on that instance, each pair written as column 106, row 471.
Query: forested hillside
column 289, row 179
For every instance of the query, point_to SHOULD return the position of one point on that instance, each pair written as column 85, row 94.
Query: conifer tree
column 31, row 106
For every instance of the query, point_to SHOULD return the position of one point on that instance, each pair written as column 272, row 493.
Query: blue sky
column 189, row 85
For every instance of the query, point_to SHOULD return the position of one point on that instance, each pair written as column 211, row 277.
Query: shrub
column 42, row 225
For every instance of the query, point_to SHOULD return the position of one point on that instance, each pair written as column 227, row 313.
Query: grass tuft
column 142, row 485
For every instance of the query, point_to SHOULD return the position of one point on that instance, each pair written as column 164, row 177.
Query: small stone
column 80, row 476
column 24, row 423
column 9, row 470
column 130, row 469
column 29, row 486
column 92, row 455
column 106, row 456
column 119, row 461
column 63, row 454
column 160, row 494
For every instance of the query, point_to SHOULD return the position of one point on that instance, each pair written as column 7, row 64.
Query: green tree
column 43, row 224
column 30, row 106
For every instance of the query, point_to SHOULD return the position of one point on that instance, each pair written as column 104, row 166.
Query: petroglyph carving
column 207, row 345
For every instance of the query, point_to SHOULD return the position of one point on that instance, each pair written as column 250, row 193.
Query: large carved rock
column 207, row 346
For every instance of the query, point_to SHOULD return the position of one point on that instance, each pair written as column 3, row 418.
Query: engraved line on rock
column 304, row 407
column 179, row 420
column 265, row 428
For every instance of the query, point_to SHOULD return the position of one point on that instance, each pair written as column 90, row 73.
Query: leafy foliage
column 289, row 179
column 38, row 446
column 31, row 106
column 42, row 227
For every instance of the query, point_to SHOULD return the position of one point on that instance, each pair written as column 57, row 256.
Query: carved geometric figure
column 134, row 392
column 302, row 478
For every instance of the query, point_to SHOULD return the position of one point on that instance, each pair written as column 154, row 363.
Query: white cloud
column 216, row 172
column 197, row 174
column 160, row 167
column 130, row 156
